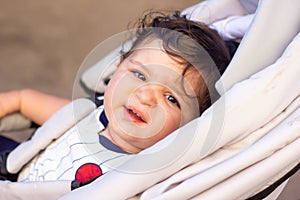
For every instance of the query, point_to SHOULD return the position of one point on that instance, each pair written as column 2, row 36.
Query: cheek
column 164, row 126
column 169, row 122
column 117, row 95
column 173, row 120
column 111, row 87
column 114, row 95
column 118, row 89
column 191, row 111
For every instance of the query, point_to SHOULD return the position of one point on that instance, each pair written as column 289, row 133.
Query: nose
column 148, row 94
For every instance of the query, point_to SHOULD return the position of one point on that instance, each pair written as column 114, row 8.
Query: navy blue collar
column 109, row 145
column 103, row 119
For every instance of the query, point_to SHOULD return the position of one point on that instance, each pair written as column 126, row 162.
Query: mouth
column 134, row 115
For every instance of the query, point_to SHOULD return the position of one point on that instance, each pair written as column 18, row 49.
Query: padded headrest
column 270, row 33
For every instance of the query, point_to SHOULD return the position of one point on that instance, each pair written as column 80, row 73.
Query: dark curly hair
column 190, row 43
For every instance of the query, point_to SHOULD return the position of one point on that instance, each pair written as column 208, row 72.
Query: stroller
column 249, row 155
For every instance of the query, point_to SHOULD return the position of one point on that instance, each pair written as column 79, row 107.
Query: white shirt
column 78, row 146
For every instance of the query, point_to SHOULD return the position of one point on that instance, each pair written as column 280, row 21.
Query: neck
column 114, row 138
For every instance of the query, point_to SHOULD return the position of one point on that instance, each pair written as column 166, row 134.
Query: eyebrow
column 136, row 62
column 139, row 64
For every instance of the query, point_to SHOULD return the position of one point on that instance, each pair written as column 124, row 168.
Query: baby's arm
column 34, row 105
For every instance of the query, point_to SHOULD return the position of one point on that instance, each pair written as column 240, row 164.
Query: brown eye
column 172, row 99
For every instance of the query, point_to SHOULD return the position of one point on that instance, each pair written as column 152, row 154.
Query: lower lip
column 132, row 117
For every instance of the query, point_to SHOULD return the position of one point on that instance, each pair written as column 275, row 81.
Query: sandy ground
column 43, row 43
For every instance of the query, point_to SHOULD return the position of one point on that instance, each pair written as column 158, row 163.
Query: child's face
column 145, row 100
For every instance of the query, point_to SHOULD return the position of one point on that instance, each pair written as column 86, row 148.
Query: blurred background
column 43, row 43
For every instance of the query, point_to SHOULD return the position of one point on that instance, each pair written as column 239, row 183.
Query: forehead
column 151, row 53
